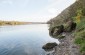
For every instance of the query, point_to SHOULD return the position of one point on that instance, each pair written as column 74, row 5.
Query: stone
column 49, row 46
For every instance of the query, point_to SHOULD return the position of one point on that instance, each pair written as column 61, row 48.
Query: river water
column 24, row 39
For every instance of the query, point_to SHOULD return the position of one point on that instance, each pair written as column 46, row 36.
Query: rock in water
column 49, row 46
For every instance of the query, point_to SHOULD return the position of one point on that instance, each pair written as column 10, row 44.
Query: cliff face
column 67, row 45
column 68, row 13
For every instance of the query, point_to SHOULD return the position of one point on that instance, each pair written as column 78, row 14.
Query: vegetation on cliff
column 80, row 32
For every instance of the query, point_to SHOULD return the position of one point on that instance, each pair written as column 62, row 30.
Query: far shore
column 8, row 23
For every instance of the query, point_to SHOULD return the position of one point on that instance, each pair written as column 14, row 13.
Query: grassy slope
column 80, row 35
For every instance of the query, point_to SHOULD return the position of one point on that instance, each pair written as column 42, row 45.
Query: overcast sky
column 32, row 10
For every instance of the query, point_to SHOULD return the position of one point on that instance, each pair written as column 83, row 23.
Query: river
column 24, row 39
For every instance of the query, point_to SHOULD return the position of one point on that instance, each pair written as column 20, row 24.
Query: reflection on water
column 24, row 39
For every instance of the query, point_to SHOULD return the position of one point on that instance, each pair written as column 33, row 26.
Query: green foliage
column 79, row 15
column 79, row 12
column 81, row 26
column 80, row 35
column 83, row 11
column 82, row 49
column 79, row 40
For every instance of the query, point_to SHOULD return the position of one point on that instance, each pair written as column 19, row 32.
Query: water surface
column 24, row 39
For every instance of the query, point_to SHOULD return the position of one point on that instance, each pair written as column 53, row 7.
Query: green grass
column 80, row 35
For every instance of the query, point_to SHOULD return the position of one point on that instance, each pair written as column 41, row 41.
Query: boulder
column 49, row 46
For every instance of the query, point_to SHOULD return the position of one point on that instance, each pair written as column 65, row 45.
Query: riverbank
column 67, row 46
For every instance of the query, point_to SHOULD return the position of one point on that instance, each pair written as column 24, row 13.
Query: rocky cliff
column 68, row 13
column 67, row 45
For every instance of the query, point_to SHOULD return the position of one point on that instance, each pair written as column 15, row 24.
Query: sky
column 32, row 10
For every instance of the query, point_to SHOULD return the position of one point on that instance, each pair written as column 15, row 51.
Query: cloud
column 7, row 2
column 52, row 0
column 24, row 3
column 52, row 10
